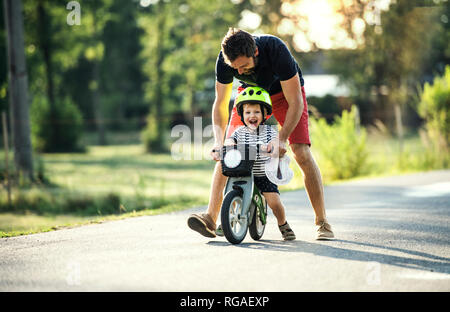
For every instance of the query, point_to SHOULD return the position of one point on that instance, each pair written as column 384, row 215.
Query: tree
column 158, row 27
column 46, row 40
column 181, row 42
column 391, row 59
column 122, row 76
column 18, row 88
column 3, row 63
column 382, row 50
column 97, row 50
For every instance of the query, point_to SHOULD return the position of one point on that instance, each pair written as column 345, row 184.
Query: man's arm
column 220, row 114
column 293, row 94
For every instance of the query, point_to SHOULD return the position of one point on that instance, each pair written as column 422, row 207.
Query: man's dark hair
column 237, row 43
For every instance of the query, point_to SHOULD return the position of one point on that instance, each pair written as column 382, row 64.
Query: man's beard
column 252, row 70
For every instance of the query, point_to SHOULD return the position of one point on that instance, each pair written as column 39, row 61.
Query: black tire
column 256, row 228
column 233, row 225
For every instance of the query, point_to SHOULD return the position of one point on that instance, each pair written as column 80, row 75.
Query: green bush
column 341, row 145
column 434, row 107
column 58, row 130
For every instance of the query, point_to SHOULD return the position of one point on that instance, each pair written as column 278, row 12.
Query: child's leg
column 272, row 196
column 274, row 202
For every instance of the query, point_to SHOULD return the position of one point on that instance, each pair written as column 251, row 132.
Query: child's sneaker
column 219, row 231
column 286, row 232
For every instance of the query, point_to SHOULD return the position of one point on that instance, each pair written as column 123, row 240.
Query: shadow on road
column 428, row 262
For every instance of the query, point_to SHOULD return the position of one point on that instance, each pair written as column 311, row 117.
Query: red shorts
column 279, row 108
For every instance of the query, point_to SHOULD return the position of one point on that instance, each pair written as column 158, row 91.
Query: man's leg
column 314, row 187
column 299, row 141
column 205, row 223
column 312, row 179
column 216, row 194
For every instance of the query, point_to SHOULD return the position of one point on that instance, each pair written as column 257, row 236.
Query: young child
column 254, row 106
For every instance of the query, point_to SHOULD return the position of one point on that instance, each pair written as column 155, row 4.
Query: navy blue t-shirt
column 274, row 64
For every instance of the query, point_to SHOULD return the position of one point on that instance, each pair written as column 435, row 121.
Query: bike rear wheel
column 256, row 227
column 234, row 222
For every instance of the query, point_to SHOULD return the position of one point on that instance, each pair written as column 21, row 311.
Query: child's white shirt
column 263, row 135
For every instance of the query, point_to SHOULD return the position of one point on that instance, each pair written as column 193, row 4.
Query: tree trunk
column 96, row 95
column 98, row 115
column 399, row 125
column 160, row 55
column 46, row 48
column 18, row 89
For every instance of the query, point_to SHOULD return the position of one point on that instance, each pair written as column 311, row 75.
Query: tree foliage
column 434, row 107
column 182, row 40
column 65, row 118
column 395, row 56
column 133, row 61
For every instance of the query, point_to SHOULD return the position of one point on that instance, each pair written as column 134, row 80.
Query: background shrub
column 55, row 129
column 341, row 145
column 434, row 107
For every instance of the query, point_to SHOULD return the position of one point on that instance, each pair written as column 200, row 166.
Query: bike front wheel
column 234, row 221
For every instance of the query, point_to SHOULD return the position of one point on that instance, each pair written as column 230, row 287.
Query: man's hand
column 282, row 148
column 276, row 148
column 215, row 151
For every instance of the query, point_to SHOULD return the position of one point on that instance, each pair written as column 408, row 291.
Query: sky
column 312, row 21
column 319, row 22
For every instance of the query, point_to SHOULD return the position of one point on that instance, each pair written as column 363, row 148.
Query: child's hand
column 266, row 149
column 272, row 148
column 229, row 142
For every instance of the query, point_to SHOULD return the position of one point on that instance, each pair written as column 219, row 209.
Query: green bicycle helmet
column 256, row 95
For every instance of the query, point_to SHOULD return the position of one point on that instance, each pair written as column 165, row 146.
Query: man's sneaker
column 324, row 231
column 203, row 224
column 286, row 232
column 219, row 231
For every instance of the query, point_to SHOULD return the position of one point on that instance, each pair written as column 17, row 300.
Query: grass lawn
column 136, row 182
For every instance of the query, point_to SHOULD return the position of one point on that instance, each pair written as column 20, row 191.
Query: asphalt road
column 392, row 234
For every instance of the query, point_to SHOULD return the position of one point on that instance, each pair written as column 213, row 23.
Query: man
column 262, row 61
